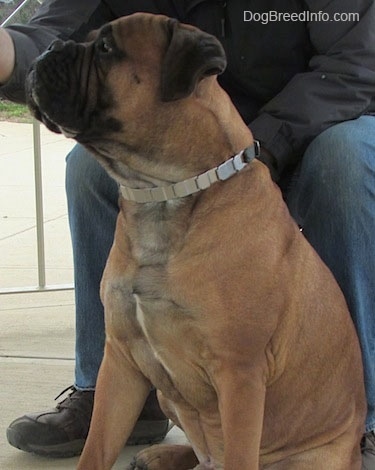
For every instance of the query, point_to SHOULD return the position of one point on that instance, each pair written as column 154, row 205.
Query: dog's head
column 120, row 93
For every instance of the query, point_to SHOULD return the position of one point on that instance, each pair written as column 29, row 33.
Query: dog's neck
column 195, row 184
column 158, row 228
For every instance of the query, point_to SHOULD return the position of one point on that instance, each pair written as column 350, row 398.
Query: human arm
column 7, row 56
column 63, row 19
column 339, row 84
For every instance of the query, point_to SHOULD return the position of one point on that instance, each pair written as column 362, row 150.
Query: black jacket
column 290, row 80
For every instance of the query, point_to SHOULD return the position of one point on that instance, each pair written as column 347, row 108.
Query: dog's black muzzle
column 56, row 87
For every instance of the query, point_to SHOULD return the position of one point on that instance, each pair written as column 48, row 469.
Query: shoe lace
column 78, row 400
column 71, row 388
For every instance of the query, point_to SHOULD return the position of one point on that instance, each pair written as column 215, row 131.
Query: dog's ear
column 191, row 56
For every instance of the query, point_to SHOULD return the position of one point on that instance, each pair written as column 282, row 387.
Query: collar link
column 197, row 183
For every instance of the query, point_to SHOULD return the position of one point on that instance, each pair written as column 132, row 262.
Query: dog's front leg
column 121, row 392
column 241, row 397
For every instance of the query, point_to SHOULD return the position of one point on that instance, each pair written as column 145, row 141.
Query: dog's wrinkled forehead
column 186, row 54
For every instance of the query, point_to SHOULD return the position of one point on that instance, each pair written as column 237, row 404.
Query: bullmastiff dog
column 211, row 293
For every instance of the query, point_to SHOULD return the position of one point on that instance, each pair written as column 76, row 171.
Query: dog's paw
column 164, row 457
column 137, row 464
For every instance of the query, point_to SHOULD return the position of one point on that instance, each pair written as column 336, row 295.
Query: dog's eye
column 104, row 46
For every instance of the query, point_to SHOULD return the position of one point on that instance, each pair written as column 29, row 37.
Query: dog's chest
column 177, row 351
column 170, row 331
column 165, row 338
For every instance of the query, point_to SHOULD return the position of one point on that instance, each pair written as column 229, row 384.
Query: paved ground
column 17, row 207
column 36, row 329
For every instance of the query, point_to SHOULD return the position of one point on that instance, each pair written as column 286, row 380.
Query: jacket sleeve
column 63, row 19
column 339, row 84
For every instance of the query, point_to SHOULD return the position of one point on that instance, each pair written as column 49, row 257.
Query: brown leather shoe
column 62, row 431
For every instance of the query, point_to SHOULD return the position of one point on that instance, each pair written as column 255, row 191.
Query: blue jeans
column 333, row 199
column 92, row 207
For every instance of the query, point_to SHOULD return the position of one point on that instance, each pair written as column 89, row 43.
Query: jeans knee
column 332, row 157
column 337, row 175
column 339, row 163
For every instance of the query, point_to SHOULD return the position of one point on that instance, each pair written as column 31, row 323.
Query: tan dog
column 215, row 298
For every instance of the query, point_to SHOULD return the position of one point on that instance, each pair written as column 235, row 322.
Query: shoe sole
column 145, row 432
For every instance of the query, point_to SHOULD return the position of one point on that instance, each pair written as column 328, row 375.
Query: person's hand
column 7, row 56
